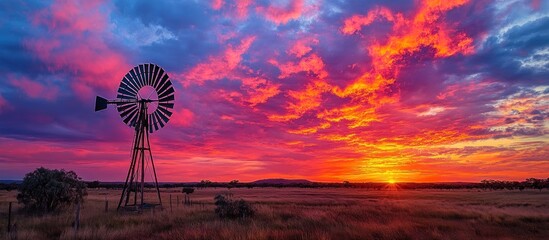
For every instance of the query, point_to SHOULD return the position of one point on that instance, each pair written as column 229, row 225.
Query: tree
column 233, row 183
column 48, row 190
column 346, row 184
column 535, row 183
column 204, row 183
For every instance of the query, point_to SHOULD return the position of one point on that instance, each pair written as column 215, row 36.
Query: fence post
column 77, row 220
column 9, row 218
column 171, row 210
column 177, row 203
column 106, row 205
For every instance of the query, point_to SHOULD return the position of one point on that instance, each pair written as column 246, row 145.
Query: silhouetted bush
column 187, row 190
column 229, row 208
column 47, row 190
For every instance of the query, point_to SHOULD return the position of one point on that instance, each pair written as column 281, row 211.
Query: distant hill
column 282, row 181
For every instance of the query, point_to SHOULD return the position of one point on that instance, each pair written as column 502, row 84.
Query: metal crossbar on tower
column 145, row 87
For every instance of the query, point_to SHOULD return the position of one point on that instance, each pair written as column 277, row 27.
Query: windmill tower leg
column 135, row 180
column 128, row 185
column 154, row 171
column 142, row 148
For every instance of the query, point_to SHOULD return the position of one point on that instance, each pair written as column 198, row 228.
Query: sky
column 360, row 91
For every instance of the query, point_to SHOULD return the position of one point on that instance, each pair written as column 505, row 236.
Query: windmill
column 145, row 102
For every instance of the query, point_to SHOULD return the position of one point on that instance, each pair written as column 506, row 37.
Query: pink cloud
column 282, row 15
column 220, row 66
column 34, row 89
column 72, row 17
column 256, row 89
column 183, row 118
column 217, row 4
column 242, row 8
column 77, row 42
column 302, row 46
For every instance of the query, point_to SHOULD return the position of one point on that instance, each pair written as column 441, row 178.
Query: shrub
column 229, row 208
column 187, row 190
column 48, row 190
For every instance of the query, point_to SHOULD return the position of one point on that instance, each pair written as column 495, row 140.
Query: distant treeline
column 530, row 183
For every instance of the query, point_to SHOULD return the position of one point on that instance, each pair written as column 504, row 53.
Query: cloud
column 217, row 4
column 312, row 64
column 183, row 118
column 34, row 89
column 242, row 7
column 432, row 111
column 144, row 35
column 220, row 66
column 302, row 46
column 283, row 14
column 78, row 43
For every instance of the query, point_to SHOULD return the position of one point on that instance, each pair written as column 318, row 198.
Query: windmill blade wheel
column 162, row 96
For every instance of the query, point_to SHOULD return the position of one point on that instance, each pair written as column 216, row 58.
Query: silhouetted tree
column 535, row 183
column 47, row 190
column 204, row 183
column 346, row 184
column 232, row 184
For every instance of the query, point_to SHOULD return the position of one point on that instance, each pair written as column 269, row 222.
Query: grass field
column 294, row 213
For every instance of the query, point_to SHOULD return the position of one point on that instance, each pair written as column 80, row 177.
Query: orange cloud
column 303, row 101
column 373, row 88
column 356, row 22
column 409, row 36
column 259, row 89
column 356, row 115
column 425, row 29
column 311, row 64
column 310, row 130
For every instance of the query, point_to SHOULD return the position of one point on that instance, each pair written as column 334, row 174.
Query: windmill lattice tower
column 145, row 102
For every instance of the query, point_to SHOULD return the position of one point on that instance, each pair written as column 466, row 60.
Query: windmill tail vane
column 145, row 102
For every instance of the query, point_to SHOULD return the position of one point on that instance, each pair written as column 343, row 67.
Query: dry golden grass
column 292, row 213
